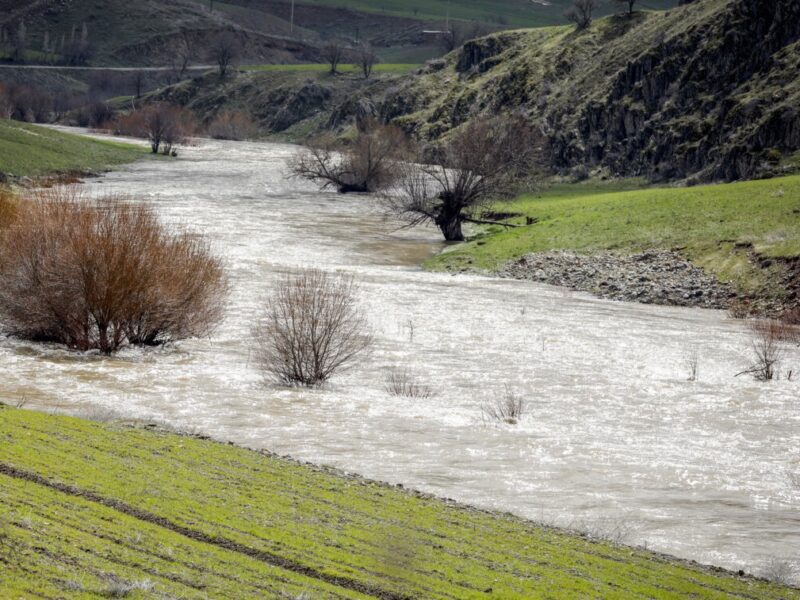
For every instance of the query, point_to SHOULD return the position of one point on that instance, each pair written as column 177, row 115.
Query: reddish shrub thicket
column 102, row 274
column 232, row 125
column 8, row 207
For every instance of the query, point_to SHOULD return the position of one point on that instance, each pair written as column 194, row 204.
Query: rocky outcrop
column 655, row 277
column 706, row 91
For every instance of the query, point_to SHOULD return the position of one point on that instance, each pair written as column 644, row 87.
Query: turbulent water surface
column 615, row 439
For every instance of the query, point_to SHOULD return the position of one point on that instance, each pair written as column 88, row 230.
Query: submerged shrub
column 403, row 385
column 767, row 349
column 101, row 274
column 509, row 409
column 312, row 328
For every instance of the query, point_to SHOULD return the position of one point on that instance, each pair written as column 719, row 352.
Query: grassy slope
column 194, row 519
column 324, row 68
column 705, row 222
column 555, row 63
column 577, row 84
column 31, row 151
column 113, row 24
column 520, row 13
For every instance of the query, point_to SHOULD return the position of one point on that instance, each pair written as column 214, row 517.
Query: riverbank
column 101, row 509
column 33, row 152
column 704, row 246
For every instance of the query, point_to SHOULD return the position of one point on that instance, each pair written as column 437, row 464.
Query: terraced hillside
column 116, row 510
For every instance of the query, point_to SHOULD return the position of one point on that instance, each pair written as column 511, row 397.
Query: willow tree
column 484, row 161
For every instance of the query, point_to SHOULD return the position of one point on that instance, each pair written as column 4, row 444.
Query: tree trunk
column 450, row 226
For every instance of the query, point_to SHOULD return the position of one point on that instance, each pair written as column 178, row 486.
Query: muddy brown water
column 615, row 439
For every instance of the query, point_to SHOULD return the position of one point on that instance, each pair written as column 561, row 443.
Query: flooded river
column 615, row 439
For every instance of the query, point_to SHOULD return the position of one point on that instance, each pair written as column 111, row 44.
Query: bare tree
column 581, row 13
column 630, row 4
column 225, row 51
column 163, row 125
column 486, row 160
column 103, row 274
column 312, row 328
column 333, row 54
column 183, row 56
column 20, row 42
column 137, row 80
column 369, row 164
column 6, row 102
column 366, row 59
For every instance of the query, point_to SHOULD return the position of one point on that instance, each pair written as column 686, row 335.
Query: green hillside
column 92, row 511
column 667, row 95
column 718, row 227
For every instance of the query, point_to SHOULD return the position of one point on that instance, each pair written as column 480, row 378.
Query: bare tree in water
column 484, row 161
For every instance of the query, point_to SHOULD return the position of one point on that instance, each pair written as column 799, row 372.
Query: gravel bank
column 654, row 277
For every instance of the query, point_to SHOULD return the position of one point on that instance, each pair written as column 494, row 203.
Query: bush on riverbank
column 99, row 275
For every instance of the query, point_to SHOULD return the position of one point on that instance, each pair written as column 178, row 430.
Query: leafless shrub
column 119, row 588
column 692, row 363
column 613, row 531
column 232, row 125
column 485, row 160
column 768, row 336
column 739, row 309
column 369, row 164
column 402, row 384
column 508, row 409
column 312, row 328
column 102, row 274
column 791, row 320
column 580, row 13
column 8, row 207
column 778, row 571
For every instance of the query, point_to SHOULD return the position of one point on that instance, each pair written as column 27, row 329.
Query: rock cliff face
column 709, row 90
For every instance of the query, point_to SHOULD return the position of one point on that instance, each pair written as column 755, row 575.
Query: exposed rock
column 708, row 91
column 655, row 277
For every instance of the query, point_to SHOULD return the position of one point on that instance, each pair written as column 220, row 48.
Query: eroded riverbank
column 616, row 439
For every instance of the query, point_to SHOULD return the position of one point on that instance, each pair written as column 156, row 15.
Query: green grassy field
column 31, row 151
column 90, row 510
column 715, row 226
column 322, row 68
